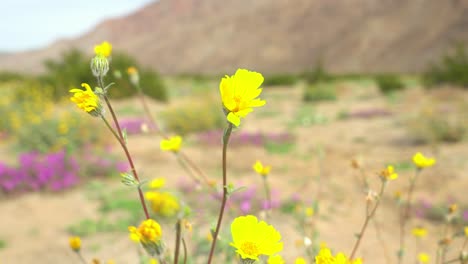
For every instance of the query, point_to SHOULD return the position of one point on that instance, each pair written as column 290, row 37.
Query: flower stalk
column 404, row 215
column 369, row 214
column 226, row 136
column 119, row 136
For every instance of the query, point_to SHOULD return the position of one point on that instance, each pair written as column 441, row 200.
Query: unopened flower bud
column 99, row 65
column 128, row 179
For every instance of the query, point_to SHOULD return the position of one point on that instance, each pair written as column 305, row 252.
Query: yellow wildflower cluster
column 423, row 258
column 239, row 93
column 171, row 144
column 75, row 243
column 261, row 169
column 276, row 259
column 157, row 183
column 149, row 235
column 300, row 261
column 253, row 238
column 163, row 203
column 422, row 161
column 389, row 173
column 419, row 232
column 104, row 49
column 325, row 257
column 149, row 231
column 86, row 100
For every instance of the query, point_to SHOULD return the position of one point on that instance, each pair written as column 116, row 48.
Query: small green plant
column 316, row 75
column 72, row 69
column 206, row 112
column 451, row 69
column 389, row 83
column 280, row 80
column 279, row 147
column 3, row 244
column 319, row 92
column 435, row 123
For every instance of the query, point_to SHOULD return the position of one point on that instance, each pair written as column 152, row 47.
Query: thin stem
column 381, row 240
column 177, row 241
column 185, row 250
column 195, row 167
column 141, row 95
column 82, row 259
column 404, row 215
column 130, row 161
column 369, row 216
column 267, row 193
column 186, row 168
column 226, row 136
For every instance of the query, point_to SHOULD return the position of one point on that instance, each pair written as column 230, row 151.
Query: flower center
column 250, row 248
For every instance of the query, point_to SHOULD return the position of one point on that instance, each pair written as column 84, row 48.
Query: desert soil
column 34, row 225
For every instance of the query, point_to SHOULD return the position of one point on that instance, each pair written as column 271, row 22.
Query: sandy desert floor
column 34, row 225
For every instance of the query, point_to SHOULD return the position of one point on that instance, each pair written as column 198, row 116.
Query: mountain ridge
column 272, row 36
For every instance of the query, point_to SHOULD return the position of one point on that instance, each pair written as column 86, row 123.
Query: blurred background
column 372, row 81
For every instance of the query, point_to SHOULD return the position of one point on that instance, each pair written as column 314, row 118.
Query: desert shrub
column 316, row 75
column 6, row 76
column 37, row 123
column 150, row 81
column 280, row 80
column 451, row 69
column 437, row 122
column 194, row 115
column 319, row 92
column 69, row 71
column 73, row 69
column 388, row 83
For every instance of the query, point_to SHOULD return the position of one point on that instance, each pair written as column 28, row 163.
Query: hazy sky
column 29, row 24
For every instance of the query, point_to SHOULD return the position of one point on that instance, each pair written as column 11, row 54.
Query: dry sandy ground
column 34, row 225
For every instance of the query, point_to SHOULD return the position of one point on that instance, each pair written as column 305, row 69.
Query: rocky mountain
column 215, row 36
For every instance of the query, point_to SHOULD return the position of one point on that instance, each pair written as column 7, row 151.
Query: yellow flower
column 157, row 183
column 325, row 257
column 419, row 232
column 75, row 243
column 422, row 162
column 133, row 74
column 300, row 261
column 164, row 204
column 86, row 100
column 423, row 258
column 104, row 49
column 148, row 232
column 153, row 261
column 309, row 211
column 252, row 238
column 453, row 208
column 239, row 93
column 260, row 169
column 132, row 70
column 466, row 231
column 276, row 259
column 172, row 144
column 389, row 173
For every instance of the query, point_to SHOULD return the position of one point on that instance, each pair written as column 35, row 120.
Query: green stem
column 177, row 242
column 187, row 169
column 369, row 216
column 404, row 215
column 82, row 259
column 267, row 193
column 226, row 136
column 185, row 250
column 130, row 161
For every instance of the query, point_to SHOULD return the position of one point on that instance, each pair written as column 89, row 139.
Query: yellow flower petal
column 238, row 93
column 233, row 119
